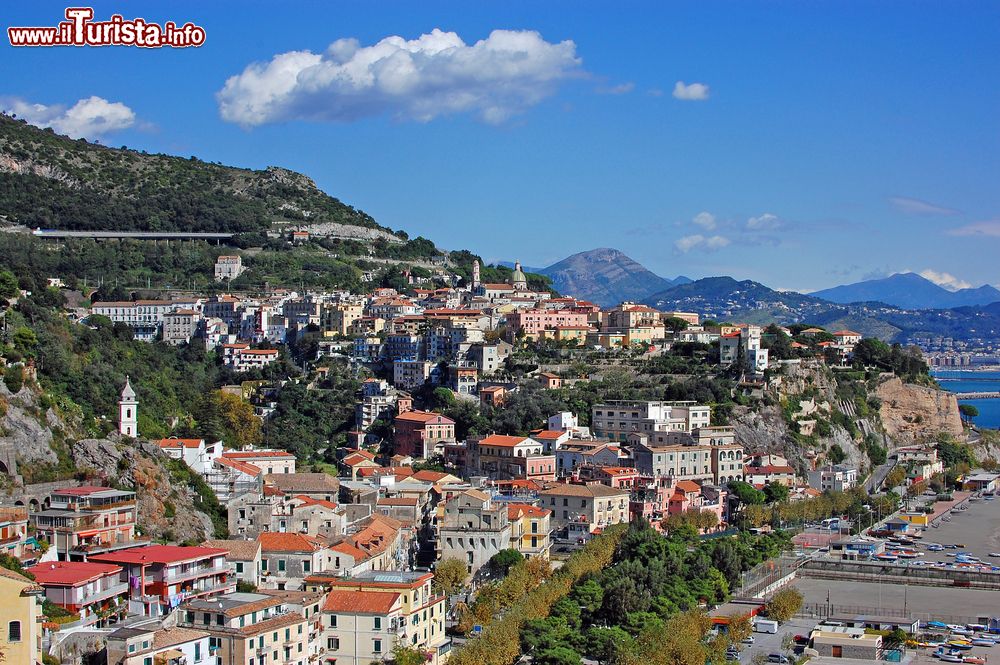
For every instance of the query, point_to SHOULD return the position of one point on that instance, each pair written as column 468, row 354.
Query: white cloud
column 705, row 220
column 919, row 207
column 698, row 241
column 945, row 280
column 767, row 221
column 420, row 79
column 694, row 92
column 91, row 117
column 988, row 229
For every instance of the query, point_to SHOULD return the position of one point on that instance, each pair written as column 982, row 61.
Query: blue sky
column 834, row 140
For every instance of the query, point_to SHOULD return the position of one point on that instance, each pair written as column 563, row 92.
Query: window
column 333, row 643
column 377, row 646
column 148, row 660
column 378, row 623
column 333, row 621
column 239, row 566
column 306, row 565
column 197, row 652
column 263, row 564
column 281, row 565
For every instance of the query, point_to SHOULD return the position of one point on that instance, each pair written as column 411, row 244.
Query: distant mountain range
column 604, row 276
column 725, row 299
column 911, row 291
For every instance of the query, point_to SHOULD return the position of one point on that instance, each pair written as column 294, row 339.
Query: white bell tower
column 128, row 407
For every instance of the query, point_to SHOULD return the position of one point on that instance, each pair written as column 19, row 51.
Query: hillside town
column 338, row 565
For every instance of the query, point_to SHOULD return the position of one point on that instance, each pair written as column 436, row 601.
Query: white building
column 228, row 267
column 616, row 420
column 745, row 341
column 194, row 452
column 144, row 317
column 836, row 478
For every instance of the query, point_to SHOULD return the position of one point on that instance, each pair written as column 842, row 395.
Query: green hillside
column 53, row 181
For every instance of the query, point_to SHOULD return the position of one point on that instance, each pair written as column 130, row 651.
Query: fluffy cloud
column 91, row 117
column 705, row 220
column 764, row 222
column 918, row 207
column 698, row 241
column 694, row 92
column 990, row 229
column 420, row 79
column 945, row 280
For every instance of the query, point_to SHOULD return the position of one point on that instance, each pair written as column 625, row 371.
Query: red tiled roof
column 271, row 541
column 422, row 416
column 179, row 443
column 350, row 550
column 360, row 602
column 397, row 501
column 430, row 476
column 688, row 486
column 71, row 573
column 309, row 501
column 770, row 468
column 503, row 441
column 547, row 434
column 245, row 467
column 518, row 510
column 252, row 454
column 165, row 554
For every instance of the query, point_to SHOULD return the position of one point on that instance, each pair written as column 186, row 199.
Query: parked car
column 778, row 658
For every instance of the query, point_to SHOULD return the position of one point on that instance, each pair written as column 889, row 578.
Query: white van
column 765, row 626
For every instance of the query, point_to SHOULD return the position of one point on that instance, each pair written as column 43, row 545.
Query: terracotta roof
column 309, row 501
column 688, row 486
column 547, row 434
column 422, row 416
column 360, row 602
column 71, row 573
column 271, row 541
column 165, row 554
column 431, row 476
column 519, row 510
column 498, row 287
column 271, row 624
column 180, row 443
column 566, row 489
column 504, row 441
column 770, row 468
column 303, row 482
column 29, row 588
column 345, row 547
column 845, row 333
column 397, row 501
column 236, row 550
column 168, row 637
column 257, row 454
column 245, row 467
column 360, row 457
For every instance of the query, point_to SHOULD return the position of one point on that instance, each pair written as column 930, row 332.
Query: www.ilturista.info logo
column 79, row 29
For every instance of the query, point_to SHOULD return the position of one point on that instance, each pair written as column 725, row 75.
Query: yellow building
column 920, row 519
column 338, row 318
column 529, row 529
column 20, row 618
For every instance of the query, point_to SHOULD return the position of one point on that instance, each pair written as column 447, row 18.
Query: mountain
column 726, row 299
column 909, row 290
column 53, row 181
column 603, row 276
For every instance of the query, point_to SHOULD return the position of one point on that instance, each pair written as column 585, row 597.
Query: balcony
column 174, row 575
column 116, row 589
column 101, row 548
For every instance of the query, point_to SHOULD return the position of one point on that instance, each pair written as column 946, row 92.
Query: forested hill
column 52, row 181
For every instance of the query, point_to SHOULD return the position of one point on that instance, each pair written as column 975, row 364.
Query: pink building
column 533, row 321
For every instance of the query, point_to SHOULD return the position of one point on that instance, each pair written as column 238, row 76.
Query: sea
column 958, row 381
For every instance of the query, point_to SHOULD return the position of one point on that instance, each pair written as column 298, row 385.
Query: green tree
column 746, row 493
column 559, row 655
column 968, row 411
column 784, row 604
column 895, row 639
column 501, row 562
column 602, row 643
column 8, row 285
column 895, row 477
column 404, row 654
column 675, row 324
column 450, row 574
column 776, row 492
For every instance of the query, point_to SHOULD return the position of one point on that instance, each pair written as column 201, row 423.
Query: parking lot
column 768, row 643
column 976, row 530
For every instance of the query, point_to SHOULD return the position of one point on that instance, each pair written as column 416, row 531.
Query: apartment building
column 532, row 323
column 418, row 433
column 501, row 457
column 180, row 325
column 473, row 528
column 95, row 591
column 152, row 645
column 144, row 317
column 14, row 537
column 422, row 611
column 160, row 577
column 288, row 558
column 196, row 453
column 242, row 358
column 362, row 627
column 336, row 320
column 251, row 629
column 616, row 420
column 228, row 267
column 268, row 460
column 835, row 478
column 594, row 505
column 529, row 529
column 88, row 520
column 20, row 618
column 410, row 374
column 243, row 557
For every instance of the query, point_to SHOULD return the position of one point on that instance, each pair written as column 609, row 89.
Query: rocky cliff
column 166, row 510
column 915, row 413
